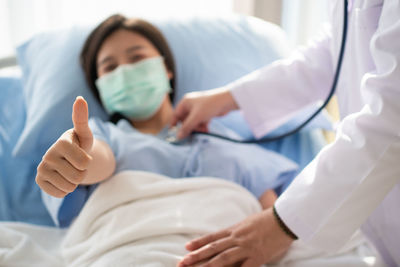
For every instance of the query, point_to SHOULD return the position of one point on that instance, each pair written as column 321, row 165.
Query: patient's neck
column 158, row 121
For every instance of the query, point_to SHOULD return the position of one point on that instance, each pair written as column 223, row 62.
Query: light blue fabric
column 300, row 147
column 19, row 195
column 211, row 52
column 254, row 168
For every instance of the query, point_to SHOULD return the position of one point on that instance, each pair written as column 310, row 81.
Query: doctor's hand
column 64, row 165
column 196, row 109
column 251, row 243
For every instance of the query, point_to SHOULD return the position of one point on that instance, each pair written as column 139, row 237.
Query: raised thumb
column 80, row 119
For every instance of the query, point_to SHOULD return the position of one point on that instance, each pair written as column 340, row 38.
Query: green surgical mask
column 135, row 90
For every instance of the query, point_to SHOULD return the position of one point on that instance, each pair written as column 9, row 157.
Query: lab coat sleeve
column 271, row 95
column 341, row 187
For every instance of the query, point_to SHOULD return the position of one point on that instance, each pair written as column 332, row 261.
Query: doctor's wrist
column 225, row 100
column 282, row 225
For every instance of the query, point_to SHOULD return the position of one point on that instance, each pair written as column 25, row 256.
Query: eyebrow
column 103, row 61
column 128, row 51
column 134, row 48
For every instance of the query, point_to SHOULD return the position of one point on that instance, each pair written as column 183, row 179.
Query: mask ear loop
column 299, row 127
column 171, row 93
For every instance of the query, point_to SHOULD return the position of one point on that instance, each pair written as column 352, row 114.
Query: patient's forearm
column 102, row 165
column 268, row 199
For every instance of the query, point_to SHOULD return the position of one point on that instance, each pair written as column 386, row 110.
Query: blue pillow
column 52, row 79
column 209, row 52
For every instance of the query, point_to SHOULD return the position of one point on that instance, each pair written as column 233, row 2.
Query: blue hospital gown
column 251, row 166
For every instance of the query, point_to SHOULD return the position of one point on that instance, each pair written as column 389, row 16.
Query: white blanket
column 144, row 219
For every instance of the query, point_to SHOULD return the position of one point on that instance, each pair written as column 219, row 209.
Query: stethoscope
column 299, row 127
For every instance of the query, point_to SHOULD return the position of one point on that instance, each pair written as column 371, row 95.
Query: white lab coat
column 340, row 189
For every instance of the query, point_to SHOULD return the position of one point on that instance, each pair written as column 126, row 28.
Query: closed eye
column 136, row 58
column 109, row 68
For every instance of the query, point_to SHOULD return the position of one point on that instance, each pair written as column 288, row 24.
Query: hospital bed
column 36, row 99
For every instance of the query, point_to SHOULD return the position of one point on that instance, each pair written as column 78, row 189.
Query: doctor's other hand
column 65, row 163
column 196, row 109
column 251, row 243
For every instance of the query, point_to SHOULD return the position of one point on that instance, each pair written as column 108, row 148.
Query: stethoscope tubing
column 300, row 126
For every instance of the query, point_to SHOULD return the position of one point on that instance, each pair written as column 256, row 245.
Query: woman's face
column 124, row 47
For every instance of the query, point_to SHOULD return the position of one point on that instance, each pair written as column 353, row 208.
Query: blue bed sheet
column 20, row 198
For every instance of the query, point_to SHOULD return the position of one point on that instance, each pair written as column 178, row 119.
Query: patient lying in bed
column 130, row 69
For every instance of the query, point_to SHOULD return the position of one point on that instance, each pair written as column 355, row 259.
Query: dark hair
column 105, row 29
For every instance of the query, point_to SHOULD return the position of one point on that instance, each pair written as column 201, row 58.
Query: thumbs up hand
column 65, row 164
column 80, row 119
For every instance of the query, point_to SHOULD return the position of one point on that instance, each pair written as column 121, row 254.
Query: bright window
column 20, row 19
column 303, row 19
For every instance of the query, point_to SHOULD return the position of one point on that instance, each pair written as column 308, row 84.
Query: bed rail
column 9, row 61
